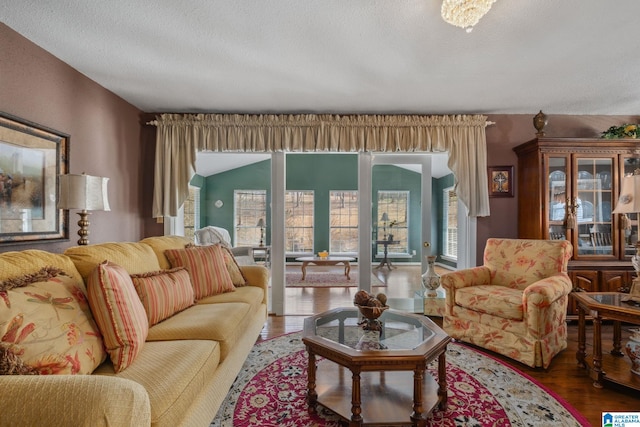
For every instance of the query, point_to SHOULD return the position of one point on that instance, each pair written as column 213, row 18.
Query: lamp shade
column 384, row 217
column 260, row 223
column 629, row 200
column 84, row 192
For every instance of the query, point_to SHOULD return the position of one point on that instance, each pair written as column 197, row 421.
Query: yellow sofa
column 184, row 370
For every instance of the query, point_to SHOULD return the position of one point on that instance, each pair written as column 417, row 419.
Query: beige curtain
column 181, row 136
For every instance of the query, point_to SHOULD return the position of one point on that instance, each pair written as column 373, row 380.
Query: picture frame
column 501, row 180
column 32, row 157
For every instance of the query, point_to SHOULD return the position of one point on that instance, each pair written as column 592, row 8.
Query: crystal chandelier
column 465, row 13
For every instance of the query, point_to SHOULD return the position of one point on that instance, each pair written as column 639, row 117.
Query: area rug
column 326, row 279
column 483, row 391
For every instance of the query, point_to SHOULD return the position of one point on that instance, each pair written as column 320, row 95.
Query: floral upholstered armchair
column 516, row 303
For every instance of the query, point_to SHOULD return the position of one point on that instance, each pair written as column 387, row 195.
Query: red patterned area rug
column 326, row 279
column 483, row 391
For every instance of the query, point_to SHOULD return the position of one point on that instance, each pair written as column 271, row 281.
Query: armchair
column 516, row 303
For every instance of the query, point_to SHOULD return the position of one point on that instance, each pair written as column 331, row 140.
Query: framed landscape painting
column 31, row 159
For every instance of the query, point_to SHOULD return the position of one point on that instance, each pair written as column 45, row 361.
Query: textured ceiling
column 346, row 56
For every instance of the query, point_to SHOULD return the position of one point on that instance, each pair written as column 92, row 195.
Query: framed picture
column 500, row 181
column 31, row 159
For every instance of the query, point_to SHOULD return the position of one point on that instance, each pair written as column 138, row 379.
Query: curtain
column 181, row 136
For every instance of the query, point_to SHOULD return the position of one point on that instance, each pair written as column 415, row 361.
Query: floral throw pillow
column 46, row 325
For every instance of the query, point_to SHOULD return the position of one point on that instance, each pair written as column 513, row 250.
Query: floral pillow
column 46, row 325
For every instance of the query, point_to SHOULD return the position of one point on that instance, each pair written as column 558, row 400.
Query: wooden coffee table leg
column 597, row 351
column 443, row 394
column 417, row 417
column 356, row 408
column 304, row 270
column 347, row 269
column 312, row 394
column 582, row 338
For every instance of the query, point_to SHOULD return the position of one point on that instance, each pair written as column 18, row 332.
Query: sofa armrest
column 257, row 275
column 454, row 280
column 73, row 400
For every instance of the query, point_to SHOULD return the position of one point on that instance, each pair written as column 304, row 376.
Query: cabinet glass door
column 630, row 235
column 557, row 197
column 592, row 205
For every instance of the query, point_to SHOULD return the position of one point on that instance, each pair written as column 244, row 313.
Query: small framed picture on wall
column 501, row 179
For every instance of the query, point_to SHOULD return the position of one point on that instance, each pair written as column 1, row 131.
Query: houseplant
column 624, row 131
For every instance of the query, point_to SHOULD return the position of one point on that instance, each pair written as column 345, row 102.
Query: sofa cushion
column 235, row 273
column 19, row 263
column 45, row 321
column 224, row 323
column 164, row 293
column 498, row 301
column 118, row 312
column 135, row 258
column 206, row 267
column 252, row 295
column 160, row 244
column 173, row 374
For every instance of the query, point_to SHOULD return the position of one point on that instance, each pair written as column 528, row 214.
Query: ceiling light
column 465, row 13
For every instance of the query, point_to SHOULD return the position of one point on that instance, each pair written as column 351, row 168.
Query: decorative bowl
column 370, row 312
column 323, row 254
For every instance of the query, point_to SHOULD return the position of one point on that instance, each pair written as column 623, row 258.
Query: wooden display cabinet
column 567, row 189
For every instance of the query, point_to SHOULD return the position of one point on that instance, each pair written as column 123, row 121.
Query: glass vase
column 430, row 279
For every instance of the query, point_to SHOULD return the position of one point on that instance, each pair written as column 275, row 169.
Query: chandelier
column 465, row 13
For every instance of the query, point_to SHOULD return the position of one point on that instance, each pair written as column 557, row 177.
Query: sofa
column 515, row 303
column 181, row 366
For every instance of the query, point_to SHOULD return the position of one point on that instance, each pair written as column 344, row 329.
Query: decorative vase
column 430, row 279
column 633, row 351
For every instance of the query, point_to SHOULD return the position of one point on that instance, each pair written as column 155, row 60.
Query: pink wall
column 514, row 129
column 105, row 133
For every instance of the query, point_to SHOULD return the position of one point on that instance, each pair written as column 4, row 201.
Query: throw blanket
column 210, row 235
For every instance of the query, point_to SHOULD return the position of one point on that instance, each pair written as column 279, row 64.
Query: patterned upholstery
column 516, row 303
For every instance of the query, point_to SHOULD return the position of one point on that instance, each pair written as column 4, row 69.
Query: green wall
column 321, row 173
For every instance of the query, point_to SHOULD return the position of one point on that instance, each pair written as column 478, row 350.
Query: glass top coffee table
column 388, row 382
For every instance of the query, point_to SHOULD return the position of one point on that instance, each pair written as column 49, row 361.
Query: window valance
column 180, row 136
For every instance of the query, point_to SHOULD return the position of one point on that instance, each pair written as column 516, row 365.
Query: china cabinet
column 567, row 189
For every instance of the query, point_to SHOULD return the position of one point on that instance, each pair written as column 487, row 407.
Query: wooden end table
column 613, row 366
column 383, row 369
column 328, row 260
column 385, row 260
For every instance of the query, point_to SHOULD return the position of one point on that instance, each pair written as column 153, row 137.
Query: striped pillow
column 206, row 267
column 118, row 312
column 164, row 293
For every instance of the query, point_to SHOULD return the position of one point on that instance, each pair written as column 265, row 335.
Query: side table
column 385, row 260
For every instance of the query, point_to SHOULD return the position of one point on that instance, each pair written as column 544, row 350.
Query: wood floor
column 563, row 377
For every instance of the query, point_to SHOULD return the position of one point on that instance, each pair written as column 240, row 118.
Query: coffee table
column 328, row 260
column 614, row 366
column 388, row 382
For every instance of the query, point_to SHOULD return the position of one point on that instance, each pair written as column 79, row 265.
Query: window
column 298, row 207
column 395, row 204
column 250, row 206
column 343, row 221
column 191, row 212
column 450, row 219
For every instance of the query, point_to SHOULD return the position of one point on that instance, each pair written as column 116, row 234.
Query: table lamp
column 629, row 202
column 261, row 225
column 84, row 192
column 384, row 218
